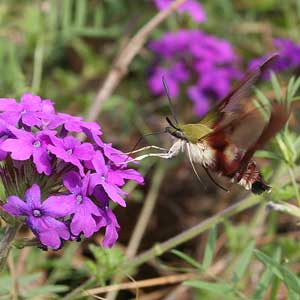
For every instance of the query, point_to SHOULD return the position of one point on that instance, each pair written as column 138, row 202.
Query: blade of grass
column 210, row 247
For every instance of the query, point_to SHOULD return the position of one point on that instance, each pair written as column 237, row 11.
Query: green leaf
column 295, row 87
column 293, row 295
column 276, row 87
column 268, row 261
column 66, row 11
column 214, row 288
column 297, row 143
column 5, row 281
column 106, row 260
column 289, row 89
column 290, row 279
column 267, row 154
column 243, row 262
column 266, row 279
column 292, row 89
column 45, row 290
column 263, row 284
column 188, row 259
column 209, row 248
column 80, row 13
column 262, row 104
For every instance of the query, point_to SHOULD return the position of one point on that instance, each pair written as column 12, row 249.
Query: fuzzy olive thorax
column 189, row 132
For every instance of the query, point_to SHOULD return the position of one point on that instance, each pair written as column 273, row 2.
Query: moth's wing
column 257, row 138
column 232, row 102
column 242, row 131
column 279, row 116
column 232, row 105
column 211, row 118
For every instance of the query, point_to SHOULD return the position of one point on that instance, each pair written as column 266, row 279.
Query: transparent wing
column 233, row 104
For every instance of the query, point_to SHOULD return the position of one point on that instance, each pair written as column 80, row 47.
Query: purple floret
column 41, row 217
column 191, row 7
column 289, row 57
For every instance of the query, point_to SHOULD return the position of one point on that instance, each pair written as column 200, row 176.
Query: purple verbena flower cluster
column 205, row 64
column 289, row 56
column 191, row 7
column 61, row 186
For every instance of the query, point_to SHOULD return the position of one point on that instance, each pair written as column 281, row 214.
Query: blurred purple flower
column 173, row 75
column 207, row 64
column 191, row 7
column 289, row 57
column 78, row 180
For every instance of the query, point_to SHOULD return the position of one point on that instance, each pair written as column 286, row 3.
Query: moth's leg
column 141, row 157
column 213, row 180
column 160, row 155
column 147, row 148
column 171, row 153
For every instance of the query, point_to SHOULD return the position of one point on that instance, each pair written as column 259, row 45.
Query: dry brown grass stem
column 160, row 281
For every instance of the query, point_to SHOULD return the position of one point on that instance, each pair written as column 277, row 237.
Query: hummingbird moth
column 211, row 143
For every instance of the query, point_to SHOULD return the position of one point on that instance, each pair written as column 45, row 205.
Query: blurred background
column 63, row 51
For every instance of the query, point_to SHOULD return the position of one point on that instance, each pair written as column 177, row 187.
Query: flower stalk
column 6, row 242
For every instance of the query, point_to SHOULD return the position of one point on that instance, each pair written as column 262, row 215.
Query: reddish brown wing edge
column 279, row 116
column 231, row 101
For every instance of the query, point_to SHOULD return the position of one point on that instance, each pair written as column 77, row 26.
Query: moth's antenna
column 171, row 124
column 193, row 166
column 169, row 99
column 213, row 180
column 140, row 139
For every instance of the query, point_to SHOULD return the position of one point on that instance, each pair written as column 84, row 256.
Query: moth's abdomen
column 252, row 179
column 227, row 163
column 227, row 155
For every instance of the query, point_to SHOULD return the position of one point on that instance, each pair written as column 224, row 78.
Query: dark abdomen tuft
column 258, row 187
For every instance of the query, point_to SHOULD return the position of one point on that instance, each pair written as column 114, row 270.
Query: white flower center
column 37, row 144
column 37, row 213
column 79, row 199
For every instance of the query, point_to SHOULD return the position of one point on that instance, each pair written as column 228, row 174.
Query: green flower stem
column 76, row 293
column 38, row 66
column 187, row 235
column 25, row 242
column 295, row 184
column 6, row 241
